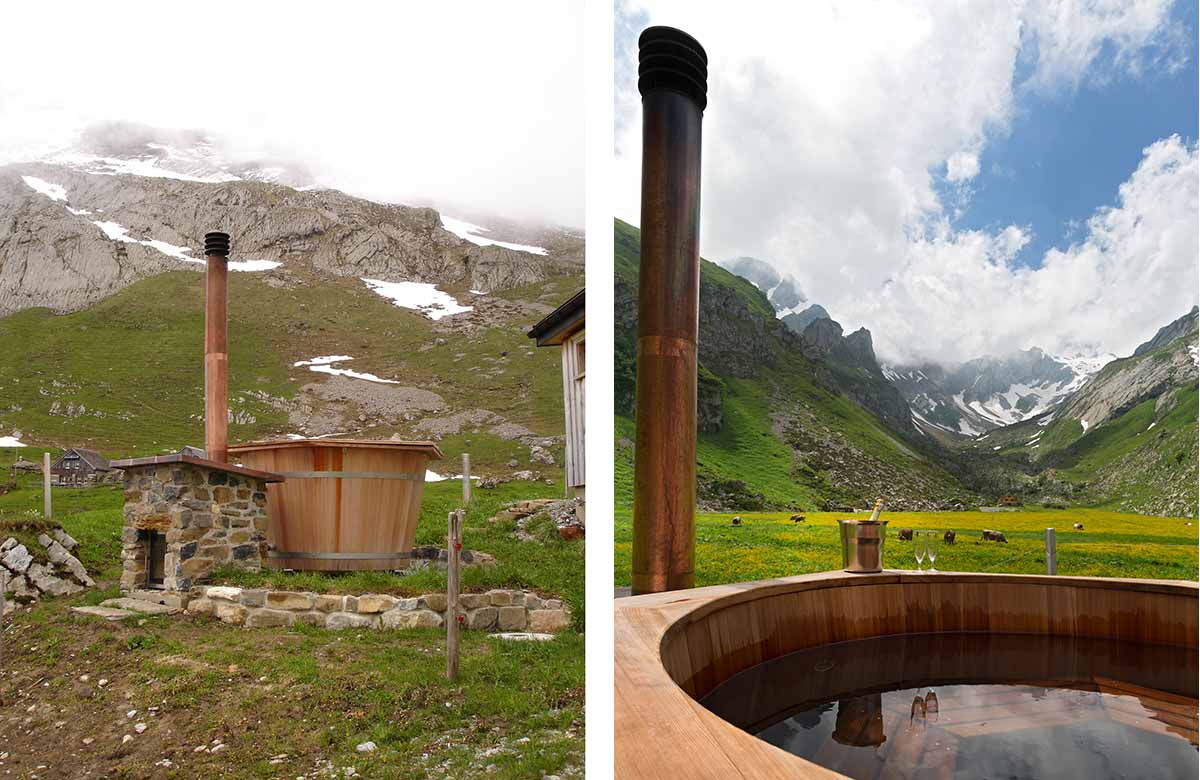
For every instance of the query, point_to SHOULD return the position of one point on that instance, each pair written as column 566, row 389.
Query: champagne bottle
column 878, row 506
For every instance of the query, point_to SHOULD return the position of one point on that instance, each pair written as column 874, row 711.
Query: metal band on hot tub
column 345, row 556
column 352, row 475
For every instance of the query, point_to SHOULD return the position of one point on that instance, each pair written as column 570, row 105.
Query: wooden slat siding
column 573, row 409
column 340, row 514
column 670, row 645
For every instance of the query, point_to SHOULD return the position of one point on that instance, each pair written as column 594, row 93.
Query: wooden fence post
column 3, row 586
column 46, row 484
column 453, row 545
column 466, row 479
column 1051, row 552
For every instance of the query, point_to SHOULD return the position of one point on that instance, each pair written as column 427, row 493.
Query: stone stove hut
column 185, row 515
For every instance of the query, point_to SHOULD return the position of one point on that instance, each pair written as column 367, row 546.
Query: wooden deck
column 672, row 648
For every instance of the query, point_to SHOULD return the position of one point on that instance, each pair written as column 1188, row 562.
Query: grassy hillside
column 126, row 376
column 309, row 695
column 784, row 439
column 769, row 545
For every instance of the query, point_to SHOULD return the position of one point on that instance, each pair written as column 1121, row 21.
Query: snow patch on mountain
column 51, row 191
column 419, row 296
column 324, row 365
column 987, row 393
column 1084, row 367
column 469, row 232
column 118, row 232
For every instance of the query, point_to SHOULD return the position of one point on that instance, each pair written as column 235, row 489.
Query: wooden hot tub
column 345, row 505
column 673, row 648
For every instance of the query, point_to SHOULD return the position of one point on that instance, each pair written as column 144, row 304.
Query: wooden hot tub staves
column 345, row 505
column 674, row 647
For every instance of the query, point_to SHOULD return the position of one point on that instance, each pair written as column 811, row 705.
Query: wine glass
column 932, row 549
column 919, row 548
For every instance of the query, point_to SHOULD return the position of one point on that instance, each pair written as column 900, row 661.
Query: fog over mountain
column 377, row 100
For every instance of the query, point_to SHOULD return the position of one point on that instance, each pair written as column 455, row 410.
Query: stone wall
column 209, row 516
column 495, row 610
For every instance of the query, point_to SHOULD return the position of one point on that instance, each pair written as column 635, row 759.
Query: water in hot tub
column 976, row 706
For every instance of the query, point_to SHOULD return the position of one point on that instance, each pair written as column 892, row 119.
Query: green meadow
column 770, row 544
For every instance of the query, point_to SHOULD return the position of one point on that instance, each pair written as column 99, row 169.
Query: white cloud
column 956, row 295
column 1067, row 36
column 828, row 134
column 477, row 104
column 962, row 166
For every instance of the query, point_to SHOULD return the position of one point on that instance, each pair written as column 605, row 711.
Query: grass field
column 311, row 694
column 126, row 375
column 771, row 545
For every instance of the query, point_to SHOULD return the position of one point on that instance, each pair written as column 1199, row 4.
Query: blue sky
column 1068, row 152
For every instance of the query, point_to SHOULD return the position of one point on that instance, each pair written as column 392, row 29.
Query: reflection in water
column 860, row 721
column 916, row 717
column 931, row 706
column 976, row 706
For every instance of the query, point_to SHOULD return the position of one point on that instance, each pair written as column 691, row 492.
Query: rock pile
column 564, row 512
column 60, row 573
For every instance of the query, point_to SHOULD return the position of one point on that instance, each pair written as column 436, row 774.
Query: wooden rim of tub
column 672, row 648
column 428, row 447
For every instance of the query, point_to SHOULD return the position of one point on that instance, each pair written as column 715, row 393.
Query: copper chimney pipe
column 216, row 350
column 673, row 81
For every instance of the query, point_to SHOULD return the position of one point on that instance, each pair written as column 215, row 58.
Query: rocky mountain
column 783, row 292
column 972, row 398
column 68, row 238
column 101, row 306
column 804, row 417
column 786, row 420
column 798, row 321
column 1159, row 369
column 1127, row 438
column 1183, row 326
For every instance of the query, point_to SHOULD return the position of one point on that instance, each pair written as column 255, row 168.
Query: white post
column 46, row 484
column 1051, row 552
column 466, row 479
column 453, row 545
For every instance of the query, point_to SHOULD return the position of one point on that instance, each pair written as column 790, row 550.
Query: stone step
column 170, row 598
column 108, row 613
column 138, row 605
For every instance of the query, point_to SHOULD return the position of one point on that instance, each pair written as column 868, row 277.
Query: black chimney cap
column 671, row 59
column 216, row 243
